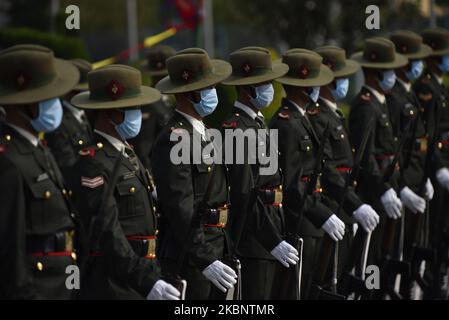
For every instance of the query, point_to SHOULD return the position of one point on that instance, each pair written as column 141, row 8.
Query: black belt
column 271, row 196
column 143, row 246
column 57, row 242
column 217, row 217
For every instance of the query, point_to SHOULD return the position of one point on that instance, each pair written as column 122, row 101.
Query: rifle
column 328, row 244
column 393, row 265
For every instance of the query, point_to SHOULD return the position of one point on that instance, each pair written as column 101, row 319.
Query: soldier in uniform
column 298, row 146
column 192, row 191
column 434, row 98
column 36, row 220
column 123, row 265
column 75, row 131
column 257, row 221
column 416, row 187
column 328, row 112
column 156, row 115
column 378, row 61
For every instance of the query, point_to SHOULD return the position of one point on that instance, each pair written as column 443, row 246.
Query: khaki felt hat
column 335, row 59
column 31, row 74
column 410, row 44
column 380, row 53
column 156, row 60
column 84, row 67
column 113, row 87
column 305, row 69
column 438, row 39
column 253, row 65
column 191, row 70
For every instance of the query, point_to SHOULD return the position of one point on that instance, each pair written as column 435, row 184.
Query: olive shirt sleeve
column 370, row 173
column 174, row 183
column 15, row 278
column 290, row 163
column 124, row 263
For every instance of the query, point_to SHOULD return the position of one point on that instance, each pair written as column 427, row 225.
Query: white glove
column 392, row 204
column 221, row 275
column 163, row 291
column 429, row 190
column 334, row 227
column 443, row 177
column 366, row 217
column 412, row 201
column 285, row 253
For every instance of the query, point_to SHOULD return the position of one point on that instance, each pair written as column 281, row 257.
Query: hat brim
column 424, row 52
column 325, row 77
column 351, row 67
column 439, row 53
column 278, row 69
column 220, row 71
column 147, row 95
column 66, row 78
column 399, row 62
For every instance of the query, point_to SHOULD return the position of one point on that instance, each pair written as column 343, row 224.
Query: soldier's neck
column 107, row 128
column 244, row 99
column 15, row 117
column 299, row 97
column 325, row 92
column 188, row 108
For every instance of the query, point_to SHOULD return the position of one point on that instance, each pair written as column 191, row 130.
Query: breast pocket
column 384, row 132
column 131, row 198
column 201, row 178
column 340, row 143
column 305, row 144
column 44, row 208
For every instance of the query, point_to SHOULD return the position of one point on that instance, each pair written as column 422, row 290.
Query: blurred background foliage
column 276, row 24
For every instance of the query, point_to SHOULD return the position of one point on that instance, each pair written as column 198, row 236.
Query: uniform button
column 354, row 184
column 154, row 208
column 229, row 188
column 39, row 266
column 149, row 188
column 353, row 150
column 73, row 254
column 308, row 148
column 70, row 193
column 80, row 142
column 8, row 137
column 395, row 139
column 440, row 145
column 342, row 136
column 132, row 189
column 99, row 145
column 64, row 191
column 387, row 124
column 209, row 169
column 280, row 205
column 156, row 232
column 263, row 154
column 411, row 112
column 47, row 194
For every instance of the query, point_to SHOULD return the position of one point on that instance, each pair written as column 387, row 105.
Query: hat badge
column 185, row 75
column 159, row 65
column 303, row 71
column 246, row 68
column 22, row 81
column 115, row 89
column 373, row 56
column 404, row 48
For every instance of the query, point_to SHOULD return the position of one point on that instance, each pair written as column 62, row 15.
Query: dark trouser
column 258, row 277
column 311, row 253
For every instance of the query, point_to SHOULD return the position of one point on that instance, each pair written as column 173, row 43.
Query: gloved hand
column 392, row 204
column 366, row 217
column 334, row 227
column 285, row 253
column 429, row 190
column 412, row 201
column 163, row 291
column 443, row 177
column 221, row 275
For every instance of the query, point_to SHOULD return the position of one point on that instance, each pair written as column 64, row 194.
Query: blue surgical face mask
column 130, row 127
column 416, row 69
column 388, row 80
column 264, row 96
column 50, row 116
column 444, row 66
column 341, row 88
column 314, row 94
column 208, row 102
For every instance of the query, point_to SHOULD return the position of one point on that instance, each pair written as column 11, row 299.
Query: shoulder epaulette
column 425, row 96
column 314, row 110
column 366, row 96
column 284, row 115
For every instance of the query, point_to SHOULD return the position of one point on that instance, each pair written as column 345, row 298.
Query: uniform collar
column 407, row 85
column 379, row 96
column 116, row 143
column 77, row 113
column 301, row 110
column 248, row 110
column 197, row 125
column 331, row 104
column 26, row 134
